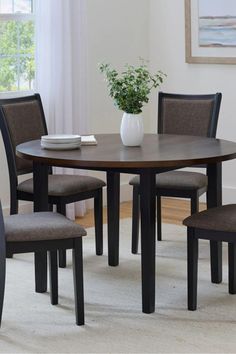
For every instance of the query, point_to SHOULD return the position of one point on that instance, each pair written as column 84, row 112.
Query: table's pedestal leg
column 147, row 203
column 113, row 216
column 40, row 173
column 214, row 198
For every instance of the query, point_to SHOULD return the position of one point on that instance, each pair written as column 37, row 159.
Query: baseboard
column 125, row 195
column 229, row 196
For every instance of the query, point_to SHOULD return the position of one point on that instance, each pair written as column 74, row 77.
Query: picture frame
column 195, row 51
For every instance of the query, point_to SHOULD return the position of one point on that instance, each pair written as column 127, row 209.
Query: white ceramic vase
column 131, row 129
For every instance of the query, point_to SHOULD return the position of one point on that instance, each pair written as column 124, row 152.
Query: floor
column 114, row 322
column 173, row 212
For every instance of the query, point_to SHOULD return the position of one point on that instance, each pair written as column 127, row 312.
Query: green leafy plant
column 130, row 89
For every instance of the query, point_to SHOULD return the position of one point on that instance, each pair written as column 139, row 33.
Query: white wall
column 167, row 52
column 118, row 33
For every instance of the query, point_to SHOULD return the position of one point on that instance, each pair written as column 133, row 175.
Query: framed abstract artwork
column 210, row 31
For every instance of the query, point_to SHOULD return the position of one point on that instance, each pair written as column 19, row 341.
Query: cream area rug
column 114, row 320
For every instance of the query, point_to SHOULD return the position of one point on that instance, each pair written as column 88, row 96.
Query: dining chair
column 182, row 115
column 215, row 224
column 49, row 232
column 21, row 120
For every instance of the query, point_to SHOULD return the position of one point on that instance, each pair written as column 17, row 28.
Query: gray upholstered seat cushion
column 40, row 226
column 222, row 218
column 64, row 185
column 182, row 180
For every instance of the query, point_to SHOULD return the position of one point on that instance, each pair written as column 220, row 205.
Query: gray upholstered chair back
column 188, row 114
column 23, row 120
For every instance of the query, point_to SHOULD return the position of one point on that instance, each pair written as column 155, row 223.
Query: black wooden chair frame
column 60, row 202
column 51, row 246
column 193, row 195
column 194, row 234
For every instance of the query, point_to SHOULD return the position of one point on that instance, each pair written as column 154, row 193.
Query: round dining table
column 157, row 154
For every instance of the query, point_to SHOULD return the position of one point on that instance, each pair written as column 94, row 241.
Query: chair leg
column 61, row 208
column 135, row 220
column 232, row 267
column 40, row 265
column 98, row 218
column 14, row 205
column 78, row 281
column 2, row 279
column 62, row 258
column 159, row 231
column 50, row 207
column 9, row 255
column 192, row 245
column 53, row 277
column 216, row 261
column 13, row 210
column 194, row 204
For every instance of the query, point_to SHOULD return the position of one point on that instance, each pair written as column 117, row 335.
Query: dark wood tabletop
column 156, row 151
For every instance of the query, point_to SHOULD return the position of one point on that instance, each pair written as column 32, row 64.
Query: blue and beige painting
column 217, row 23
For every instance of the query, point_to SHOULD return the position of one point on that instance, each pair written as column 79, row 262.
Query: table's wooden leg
column 40, row 173
column 214, row 198
column 113, row 216
column 147, row 204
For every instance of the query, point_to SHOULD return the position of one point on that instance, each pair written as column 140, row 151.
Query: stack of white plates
column 60, row 142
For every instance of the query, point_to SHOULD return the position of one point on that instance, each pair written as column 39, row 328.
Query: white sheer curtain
column 61, row 69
